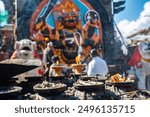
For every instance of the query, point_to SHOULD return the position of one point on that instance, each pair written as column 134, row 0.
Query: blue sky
column 132, row 10
column 134, row 18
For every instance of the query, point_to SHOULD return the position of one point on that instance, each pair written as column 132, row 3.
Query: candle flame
column 57, row 62
column 77, row 60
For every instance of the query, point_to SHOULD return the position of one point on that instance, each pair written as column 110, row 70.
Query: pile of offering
column 88, row 85
column 48, row 87
column 45, row 85
column 121, row 82
column 25, row 62
column 136, row 95
column 94, row 78
column 9, row 91
column 29, row 96
column 117, row 78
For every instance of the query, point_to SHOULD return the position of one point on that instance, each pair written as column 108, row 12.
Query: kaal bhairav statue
column 72, row 27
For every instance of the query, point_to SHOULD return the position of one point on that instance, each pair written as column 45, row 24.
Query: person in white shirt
column 97, row 66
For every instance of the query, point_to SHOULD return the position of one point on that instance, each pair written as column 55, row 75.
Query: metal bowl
column 8, row 92
column 94, row 78
column 121, row 84
column 51, row 90
column 88, row 85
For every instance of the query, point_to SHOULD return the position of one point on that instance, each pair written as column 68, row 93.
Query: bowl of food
column 88, row 85
column 48, row 88
column 9, row 92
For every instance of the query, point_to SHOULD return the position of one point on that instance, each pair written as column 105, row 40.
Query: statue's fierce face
column 144, row 49
column 70, row 20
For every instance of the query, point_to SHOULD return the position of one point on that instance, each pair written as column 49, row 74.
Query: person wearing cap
column 47, row 61
column 97, row 66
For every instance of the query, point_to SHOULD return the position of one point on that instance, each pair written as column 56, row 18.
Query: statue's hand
column 69, row 41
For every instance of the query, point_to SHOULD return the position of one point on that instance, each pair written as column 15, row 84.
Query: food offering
column 88, row 85
column 7, row 92
column 119, row 80
column 97, row 78
column 49, row 88
column 23, row 62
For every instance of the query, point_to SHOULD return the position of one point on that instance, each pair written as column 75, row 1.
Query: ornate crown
column 66, row 7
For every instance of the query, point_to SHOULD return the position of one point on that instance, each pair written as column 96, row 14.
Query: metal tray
column 8, row 92
column 50, row 90
column 127, row 83
column 93, row 87
column 94, row 78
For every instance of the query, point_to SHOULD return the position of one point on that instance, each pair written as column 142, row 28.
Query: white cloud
column 2, row 7
column 129, row 27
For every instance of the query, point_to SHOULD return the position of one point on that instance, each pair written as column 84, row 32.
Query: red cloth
column 40, row 71
column 135, row 58
column 36, row 55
